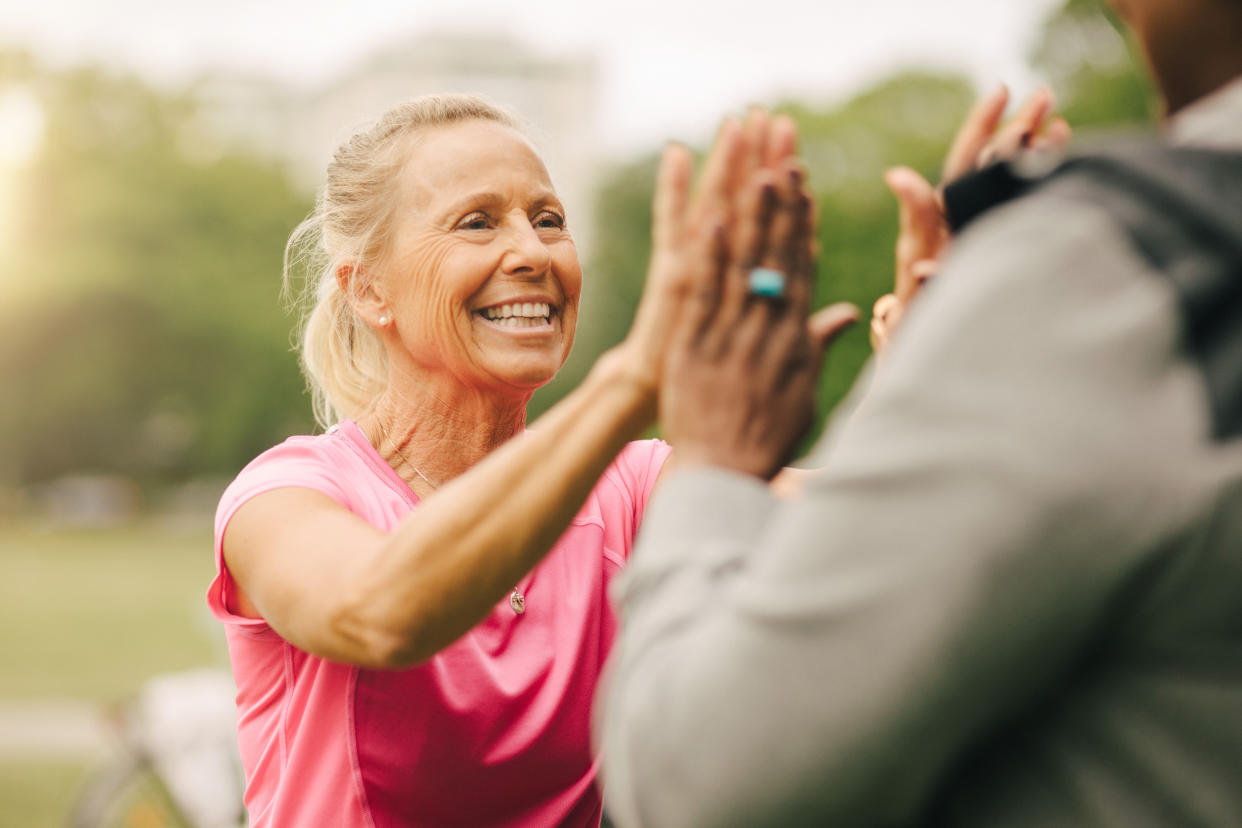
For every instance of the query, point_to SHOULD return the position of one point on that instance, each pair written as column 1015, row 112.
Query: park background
column 144, row 349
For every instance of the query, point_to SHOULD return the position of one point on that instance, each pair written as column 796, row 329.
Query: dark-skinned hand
column 739, row 378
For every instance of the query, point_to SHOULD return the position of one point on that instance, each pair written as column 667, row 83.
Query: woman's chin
column 522, row 370
column 524, row 377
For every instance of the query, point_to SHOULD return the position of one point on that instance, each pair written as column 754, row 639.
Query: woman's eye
column 549, row 220
column 474, row 221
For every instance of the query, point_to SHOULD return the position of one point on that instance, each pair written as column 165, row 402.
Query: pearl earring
column 383, row 320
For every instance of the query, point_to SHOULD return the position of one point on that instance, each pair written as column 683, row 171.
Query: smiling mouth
column 518, row 315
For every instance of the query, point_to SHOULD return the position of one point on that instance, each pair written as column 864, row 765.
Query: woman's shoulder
column 632, row 474
column 618, row 501
column 329, row 462
column 297, row 455
column 642, row 457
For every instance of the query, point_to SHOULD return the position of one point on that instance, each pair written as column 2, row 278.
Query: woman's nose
column 526, row 253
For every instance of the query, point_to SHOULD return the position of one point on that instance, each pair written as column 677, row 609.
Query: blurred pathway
column 52, row 730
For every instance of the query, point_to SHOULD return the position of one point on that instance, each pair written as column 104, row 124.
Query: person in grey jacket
column 1012, row 594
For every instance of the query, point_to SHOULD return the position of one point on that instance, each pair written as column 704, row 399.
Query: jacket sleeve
column 1028, row 443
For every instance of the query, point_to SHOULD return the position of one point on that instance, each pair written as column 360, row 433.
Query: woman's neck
column 432, row 429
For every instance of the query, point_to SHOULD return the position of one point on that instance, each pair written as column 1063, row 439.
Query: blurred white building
column 556, row 97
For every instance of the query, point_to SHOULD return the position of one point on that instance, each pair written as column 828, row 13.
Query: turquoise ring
column 766, row 282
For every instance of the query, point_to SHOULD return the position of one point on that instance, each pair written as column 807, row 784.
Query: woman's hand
column 738, row 385
column 923, row 236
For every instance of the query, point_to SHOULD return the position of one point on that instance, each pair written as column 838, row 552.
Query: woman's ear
column 364, row 294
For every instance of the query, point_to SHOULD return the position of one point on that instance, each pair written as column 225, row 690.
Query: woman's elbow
column 378, row 641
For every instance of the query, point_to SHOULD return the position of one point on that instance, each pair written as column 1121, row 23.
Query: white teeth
column 537, row 311
column 522, row 322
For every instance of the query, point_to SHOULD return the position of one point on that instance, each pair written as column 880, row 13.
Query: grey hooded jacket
column 1012, row 595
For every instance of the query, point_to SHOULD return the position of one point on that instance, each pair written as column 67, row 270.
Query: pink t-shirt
column 494, row 730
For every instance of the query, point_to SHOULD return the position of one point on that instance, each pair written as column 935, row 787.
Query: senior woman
column 415, row 600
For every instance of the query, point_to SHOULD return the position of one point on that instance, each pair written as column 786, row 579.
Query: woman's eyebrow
column 489, row 198
column 545, row 197
column 479, row 198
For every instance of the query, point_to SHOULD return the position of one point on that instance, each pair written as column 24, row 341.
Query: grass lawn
column 90, row 615
column 38, row 794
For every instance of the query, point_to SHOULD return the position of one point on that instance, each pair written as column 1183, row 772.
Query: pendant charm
column 517, row 601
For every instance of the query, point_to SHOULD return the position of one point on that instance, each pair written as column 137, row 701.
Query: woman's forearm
column 465, row 547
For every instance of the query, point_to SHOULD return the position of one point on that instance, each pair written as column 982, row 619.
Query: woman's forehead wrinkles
column 495, row 197
column 471, row 166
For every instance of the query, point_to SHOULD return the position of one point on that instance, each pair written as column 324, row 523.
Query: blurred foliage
column 908, row 120
column 1093, row 64
column 146, row 336
column 140, row 326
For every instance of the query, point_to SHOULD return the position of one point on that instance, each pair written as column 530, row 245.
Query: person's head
column 1193, row 46
column 438, row 245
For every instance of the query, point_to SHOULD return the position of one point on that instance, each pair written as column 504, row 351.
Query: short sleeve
column 626, row 487
column 301, row 462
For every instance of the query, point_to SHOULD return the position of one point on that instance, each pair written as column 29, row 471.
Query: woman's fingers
column 679, row 227
column 782, row 143
column 755, row 135
column 1055, row 137
column 1018, row 134
column 718, row 180
column 672, row 193
column 683, row 254
column 1034, row 127
column 921, row 239
column 882, row 307
column 975, row 134
column 923, row 272
column 982, row 140
column 885, row 313
column 1057, row 133
column 923, row 234
column 922, row 231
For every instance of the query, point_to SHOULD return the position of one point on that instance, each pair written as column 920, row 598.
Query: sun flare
column 21, row 133
column 21, row 127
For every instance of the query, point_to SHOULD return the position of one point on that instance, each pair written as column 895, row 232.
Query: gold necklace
column 404, row 459
column 517, row 601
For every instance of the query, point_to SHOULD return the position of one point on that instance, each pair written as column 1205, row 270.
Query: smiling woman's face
column 482, row 279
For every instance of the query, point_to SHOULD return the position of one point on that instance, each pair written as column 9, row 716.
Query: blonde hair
column 342, row 358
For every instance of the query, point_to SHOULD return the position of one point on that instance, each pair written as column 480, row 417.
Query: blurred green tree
column 1082, row 50
column 1095, row 67
column 143, row 333
column 908, row 119
column 140, row 326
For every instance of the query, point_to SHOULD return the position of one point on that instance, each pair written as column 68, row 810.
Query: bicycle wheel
column 126, row 794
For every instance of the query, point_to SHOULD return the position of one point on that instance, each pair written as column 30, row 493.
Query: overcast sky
column 669, row 68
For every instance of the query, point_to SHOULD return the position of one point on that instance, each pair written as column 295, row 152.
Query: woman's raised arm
column 335, row 586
